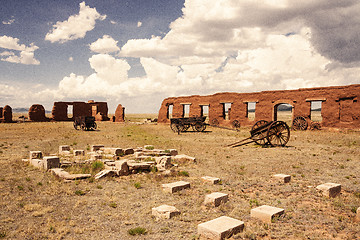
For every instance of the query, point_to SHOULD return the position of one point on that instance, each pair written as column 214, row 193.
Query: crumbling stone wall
column 119, row 114
column 340, row 106
column 6, row 114
column 37, row 113
column 99, row 110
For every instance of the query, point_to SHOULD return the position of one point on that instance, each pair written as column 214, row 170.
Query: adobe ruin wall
column 6, row 114
column 339, row 106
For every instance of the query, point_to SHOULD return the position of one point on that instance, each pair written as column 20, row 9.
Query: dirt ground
column 36, row 205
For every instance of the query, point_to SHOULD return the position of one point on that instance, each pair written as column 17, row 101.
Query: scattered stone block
column 216, row 198
column 36, row 155
column 38, row 163
column 330, row 189
column 220, row 228
column 138, row 154
column 79, row 153
column 182, row 158
column 96, row 156
column 64, row 148
column 175, row 186
column 113, row 151
column 138, row 165
column 163, row 163
column 61, row 173
column 165, row 211
column 105, row 173
column 266, row 213
column 128, row 151
column 213, row 180
column 95, row 148
column 173, row 152
column 122, row 167
column 51, row 162
column 283, row 177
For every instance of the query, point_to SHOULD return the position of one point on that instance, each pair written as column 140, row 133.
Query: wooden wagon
column 183, row 124
column 85, row 123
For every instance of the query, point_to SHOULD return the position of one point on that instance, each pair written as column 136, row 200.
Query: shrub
column 137, row 231
column 149, row 147
column 137, row 185
column 80, row 192
column 97, row 166
column 183, row 173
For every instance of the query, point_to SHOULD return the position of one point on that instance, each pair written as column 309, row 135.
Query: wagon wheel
column 185, row 127
column 75, row 125
column 200, row 127
column 315, row 126
column 215, row 122
column 174, row 127
column 299, row 123
column 260, row 137
column 83, row 126
column 278, row 134
column 236, row 124
column 94, row 126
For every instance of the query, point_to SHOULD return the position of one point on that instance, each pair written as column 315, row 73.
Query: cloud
column 26, row 55
column 9, row 22
column 106, row 44
column 76, row 26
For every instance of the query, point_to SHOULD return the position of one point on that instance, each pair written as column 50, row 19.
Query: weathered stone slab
column 36, row 155
column 213, row 180
column 113, row 151
column 165, row 211
column 79, row 152
column 220, row 228
column 51, row 162
column 163, row 163
column 175, row 186
column 173, row 152
column 95, row 156
column 266, row 213
column 216, row 198
column 64, row 148
column 38, row 163
column 283, row 177
column 138, row 154
column 330, row 189
column 95, row 148
column 105, row 173
column 138, row 165
column 182, row 158
column 67, row 176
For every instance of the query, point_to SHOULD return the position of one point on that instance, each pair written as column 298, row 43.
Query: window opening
column 315, row 113
column 226, row 110
column 70, row 111
column 251, row 107
column 186, row 110
column 283, row 112
column 170, row 111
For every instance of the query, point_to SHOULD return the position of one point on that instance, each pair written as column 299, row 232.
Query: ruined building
column 6, row 114
column 119, row 114
column 339, row 106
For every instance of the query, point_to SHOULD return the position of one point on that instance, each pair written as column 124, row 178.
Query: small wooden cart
column 85, row 123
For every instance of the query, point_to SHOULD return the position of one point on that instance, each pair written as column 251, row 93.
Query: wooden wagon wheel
column 260, row 137
column 299, row 123
column 236, row 124
column 278, row 134
column 215, row 122
column 94, row 126
column 83, row 126
column 199, row 126
column 315, row 126
column 185, row 127
column 75, row 125
column 174, row 127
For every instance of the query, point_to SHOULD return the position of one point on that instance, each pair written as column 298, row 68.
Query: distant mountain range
column 24, row 110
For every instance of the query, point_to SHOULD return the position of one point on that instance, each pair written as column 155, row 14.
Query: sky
column 138, row 52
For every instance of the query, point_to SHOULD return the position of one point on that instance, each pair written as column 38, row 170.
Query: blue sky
column 139, row 52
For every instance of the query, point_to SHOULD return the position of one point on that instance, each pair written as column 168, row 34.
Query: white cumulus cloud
column 76, row 26
column 106, row 44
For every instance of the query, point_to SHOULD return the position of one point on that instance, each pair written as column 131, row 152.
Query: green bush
column 137, row 231
column 183, row 173
column 97, row 166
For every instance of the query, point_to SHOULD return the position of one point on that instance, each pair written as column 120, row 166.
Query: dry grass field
column 36, row 205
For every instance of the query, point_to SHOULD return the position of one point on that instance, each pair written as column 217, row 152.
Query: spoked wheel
column 215, row 122
column 83, row 126
column 200, row 127
column 75, row 125
column 260, row 136
column 185, row 127
column 299, row 123
column 174, row 127
column 278, row 134
column 236, row 124
column 315, row 126
column 94, row 126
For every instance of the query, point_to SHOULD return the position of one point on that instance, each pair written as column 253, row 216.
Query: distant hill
column 24, row 110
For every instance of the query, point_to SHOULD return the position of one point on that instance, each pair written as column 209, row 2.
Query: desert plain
column 37, row 205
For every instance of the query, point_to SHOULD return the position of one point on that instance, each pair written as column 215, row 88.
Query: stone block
column 64, row 148
column 165, row 211
column 122, row 167
column 138, row 154
column 95, row 148
column 163, row 163
column 138, row 165
column 128, row 151
column 213, row 180
column 216, row 198
column 283, row 177
column 182, row 158
column 51, row 162
column 175, row 186
column 67, row 176
column 38, row 163
column 113, row 151
column 36, row 155
column 220, row 228
column 79, row 153
column 266, row 213
column 96, row 156
column 105, row 173
column 173, row 152
column 330, row 189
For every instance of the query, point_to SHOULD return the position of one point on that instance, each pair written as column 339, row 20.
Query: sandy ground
column 36, row 205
